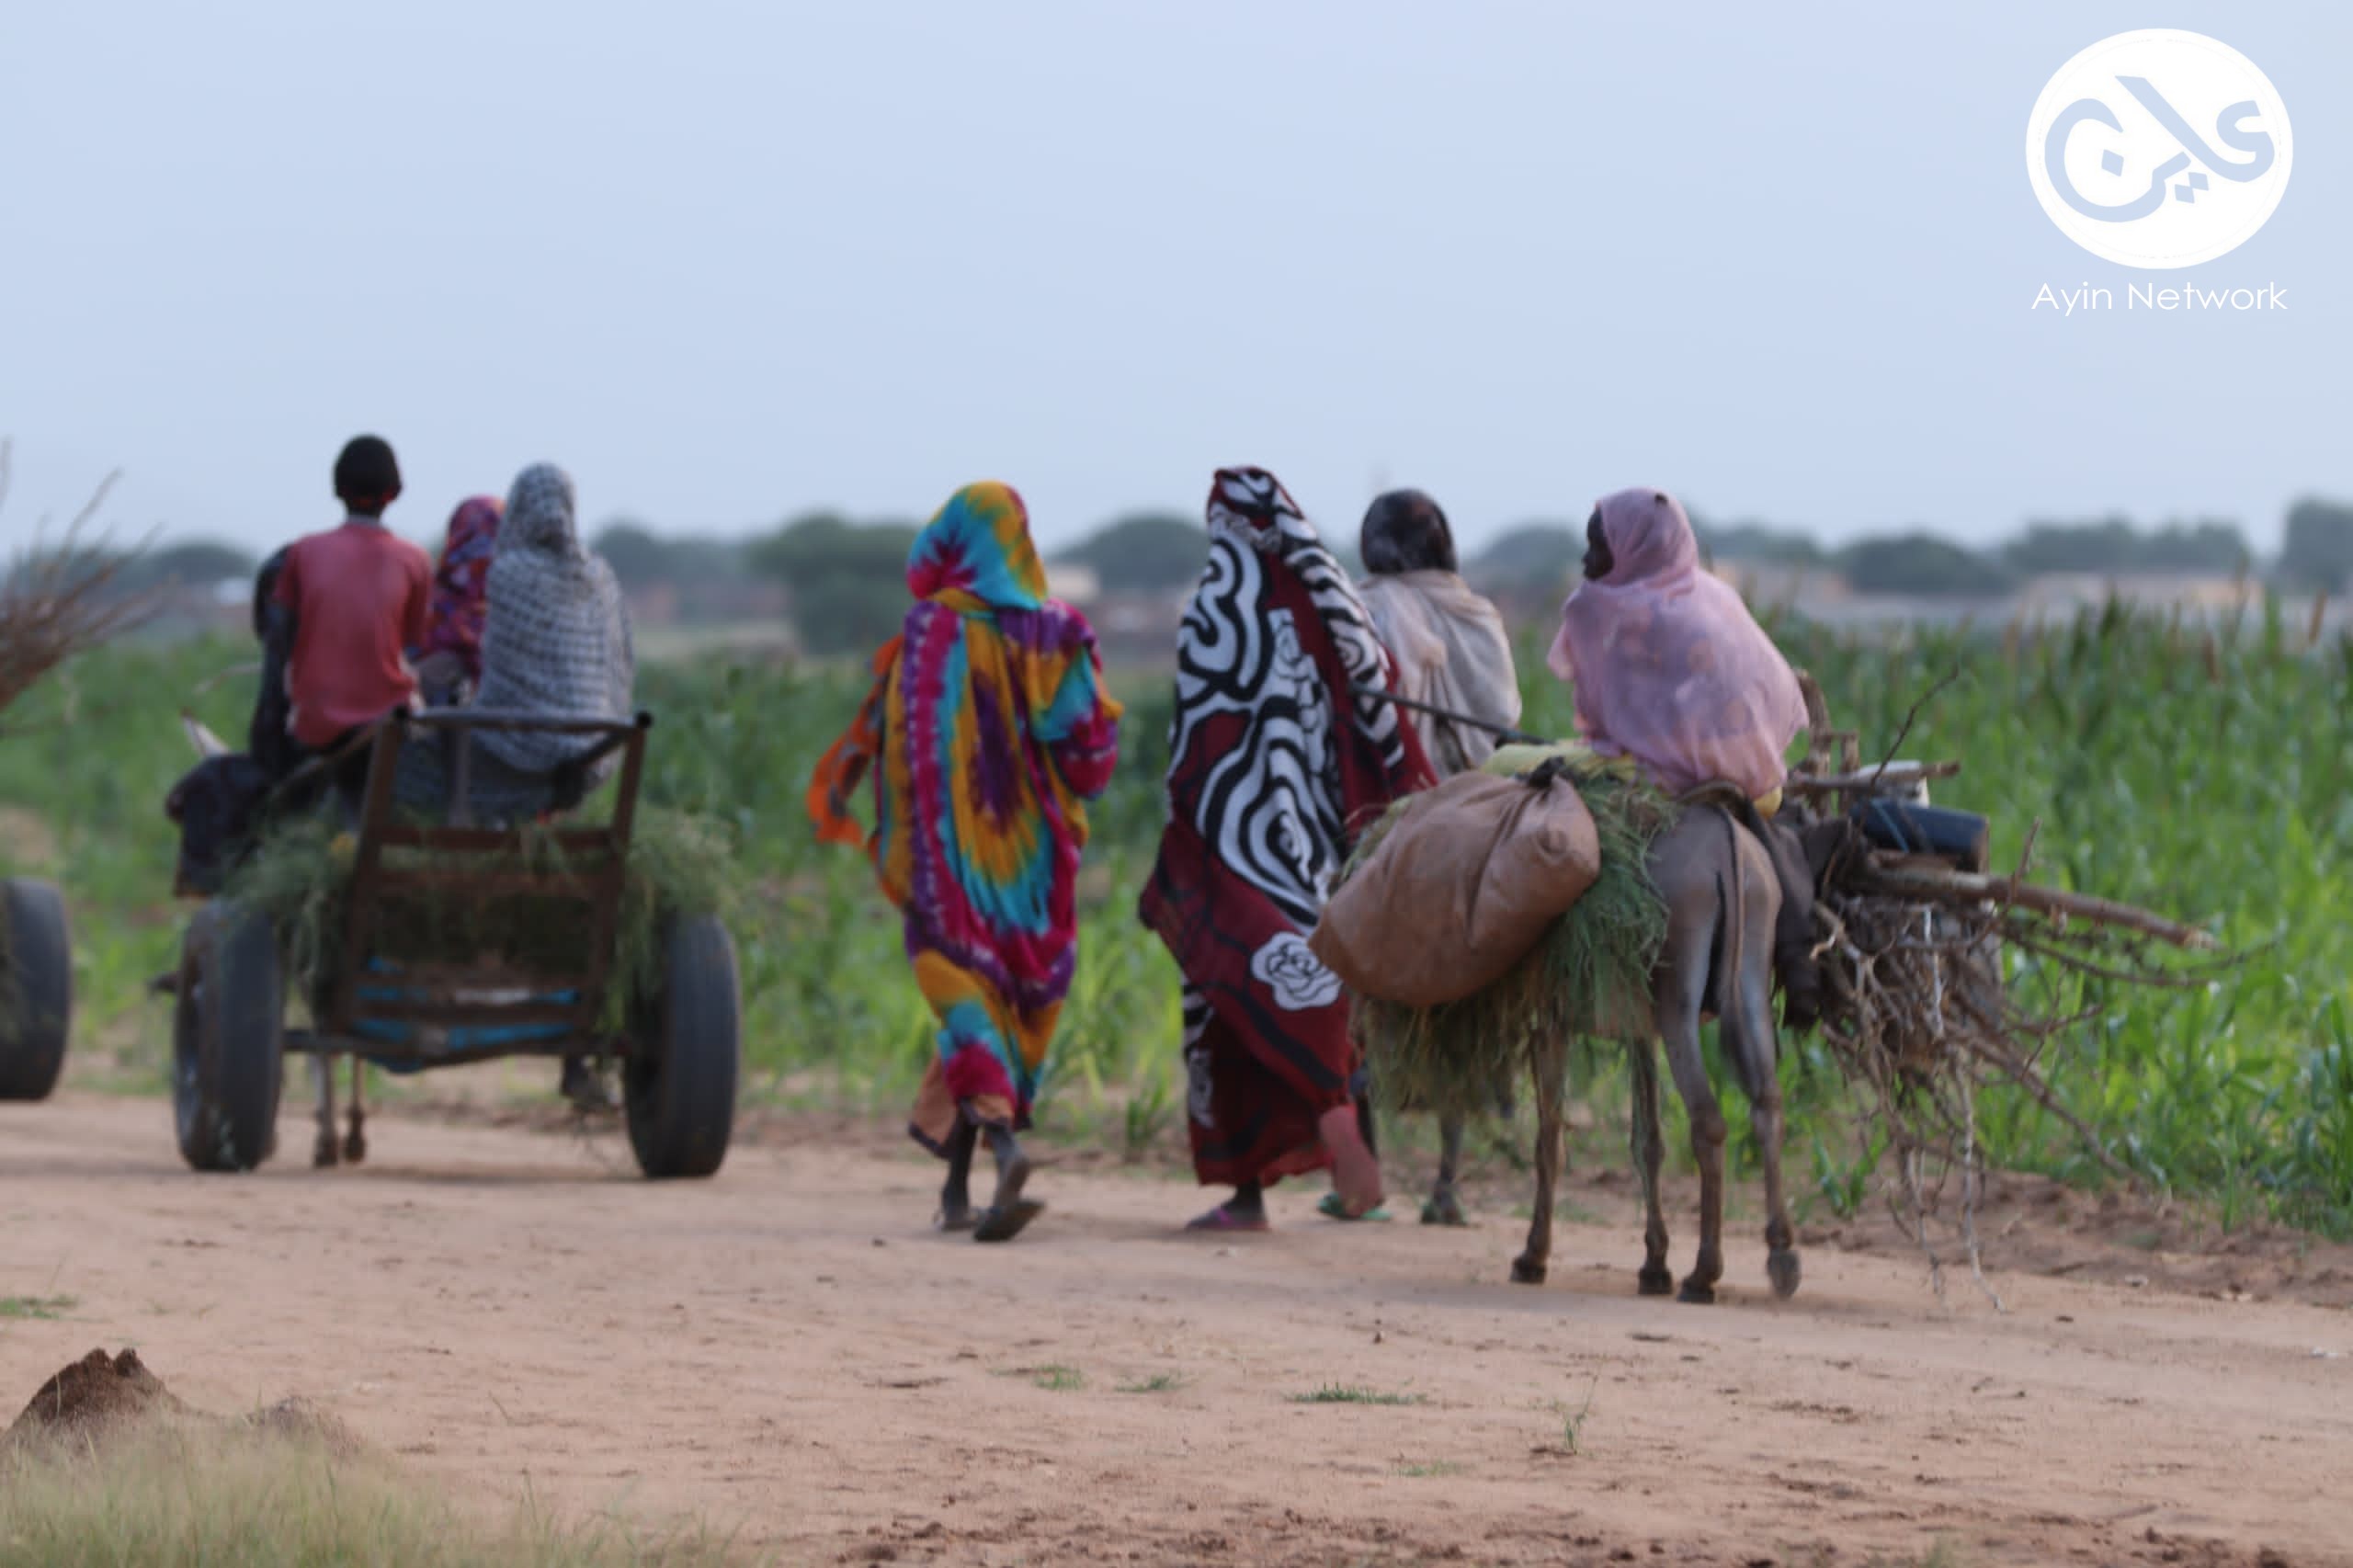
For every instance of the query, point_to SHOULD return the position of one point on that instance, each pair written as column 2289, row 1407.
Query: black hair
column 367, row 471
column 1599, row 557
column 266, row 593
column 1404, row 530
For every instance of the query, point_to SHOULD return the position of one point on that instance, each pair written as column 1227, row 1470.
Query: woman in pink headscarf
column 1670, row 668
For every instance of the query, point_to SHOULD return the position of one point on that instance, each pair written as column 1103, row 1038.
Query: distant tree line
column 845, row 577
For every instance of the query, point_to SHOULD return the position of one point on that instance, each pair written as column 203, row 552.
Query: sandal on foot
column 1335, row 1207
column 1223, row 1218
column 1003, row 1221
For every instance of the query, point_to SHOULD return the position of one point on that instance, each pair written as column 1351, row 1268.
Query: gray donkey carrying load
column 1870, row 911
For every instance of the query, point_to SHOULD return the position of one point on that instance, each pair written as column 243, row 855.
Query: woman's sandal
column 1003, row 1221
column 1223, row 1218
column 1335, row 1207
column 1008, row 1213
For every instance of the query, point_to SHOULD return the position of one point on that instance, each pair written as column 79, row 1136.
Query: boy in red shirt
column 358, row 596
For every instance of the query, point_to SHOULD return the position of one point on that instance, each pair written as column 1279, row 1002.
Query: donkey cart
column 443, row 946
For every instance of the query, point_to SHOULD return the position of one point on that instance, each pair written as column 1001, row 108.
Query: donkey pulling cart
column 447, row 944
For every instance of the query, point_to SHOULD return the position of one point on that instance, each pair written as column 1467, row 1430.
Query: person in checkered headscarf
column 555, row 643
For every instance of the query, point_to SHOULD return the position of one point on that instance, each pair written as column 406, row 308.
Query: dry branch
column 61, row 598
column 1914, row 882
column 1890, row 776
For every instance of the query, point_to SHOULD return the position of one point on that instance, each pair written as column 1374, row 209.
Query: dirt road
column 787, row 1351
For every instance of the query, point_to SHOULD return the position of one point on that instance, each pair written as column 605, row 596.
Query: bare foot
column 1355, row 1174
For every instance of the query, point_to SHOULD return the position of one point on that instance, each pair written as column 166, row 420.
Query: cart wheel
column 228, row 1040
column 36, row 989
column 680, row 1079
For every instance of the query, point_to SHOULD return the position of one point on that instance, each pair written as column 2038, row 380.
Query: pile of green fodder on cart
column 679, row 865
column 1587, row 978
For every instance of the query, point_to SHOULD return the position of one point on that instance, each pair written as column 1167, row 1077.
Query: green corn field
column 2206, row 774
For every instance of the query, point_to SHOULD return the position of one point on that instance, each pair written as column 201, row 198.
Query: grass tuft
column 177, row 1492
column 48, row 1308
column 1350, row 1393
column 1159, row 1382
column 1573, row 1421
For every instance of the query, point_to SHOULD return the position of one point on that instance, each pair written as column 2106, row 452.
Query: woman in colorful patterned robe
column 449, row 662
column 993, row 731
column 1277, row 761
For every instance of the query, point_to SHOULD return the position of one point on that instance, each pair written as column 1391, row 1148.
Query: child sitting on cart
column 355, row 597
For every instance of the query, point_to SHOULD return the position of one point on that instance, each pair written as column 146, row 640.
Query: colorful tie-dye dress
column 992, row 729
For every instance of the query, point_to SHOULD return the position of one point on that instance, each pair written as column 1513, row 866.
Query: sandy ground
column 786, row 1352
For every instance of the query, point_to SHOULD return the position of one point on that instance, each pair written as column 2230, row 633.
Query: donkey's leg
column 355, row 1142
column 1650, row 1153
column 1749, row 1044
column 1690, row 1070
column 324, row 1152
column 1444, row 1207
column 1529, row 1267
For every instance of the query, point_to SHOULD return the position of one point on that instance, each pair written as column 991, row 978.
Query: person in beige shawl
column 1449, row 643
column 1451, row 652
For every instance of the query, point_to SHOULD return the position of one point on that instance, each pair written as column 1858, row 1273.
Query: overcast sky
column 727, row 262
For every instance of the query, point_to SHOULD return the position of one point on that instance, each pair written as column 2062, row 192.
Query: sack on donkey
column 1464, row 881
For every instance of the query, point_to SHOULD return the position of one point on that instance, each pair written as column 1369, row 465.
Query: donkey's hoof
column 1697, row 1293
column 1781, row 1268
column 1444, row 1208
column 1524, row 1272
column 1654, row 1282
column 355, row 1147
column 323, row 1153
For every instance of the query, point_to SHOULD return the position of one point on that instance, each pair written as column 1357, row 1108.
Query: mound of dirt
column 98, row 1390
column 304, row 1422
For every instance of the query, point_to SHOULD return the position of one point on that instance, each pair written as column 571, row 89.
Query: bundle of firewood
column 1941, row 976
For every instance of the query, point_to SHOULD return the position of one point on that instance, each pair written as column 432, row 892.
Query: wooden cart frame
column 678, row 1054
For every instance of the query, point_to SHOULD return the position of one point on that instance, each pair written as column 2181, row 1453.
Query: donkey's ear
column 1822, row 843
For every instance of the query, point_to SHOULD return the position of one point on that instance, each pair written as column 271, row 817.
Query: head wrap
column 975, row 555
column 461, row 583
column 555, row 632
